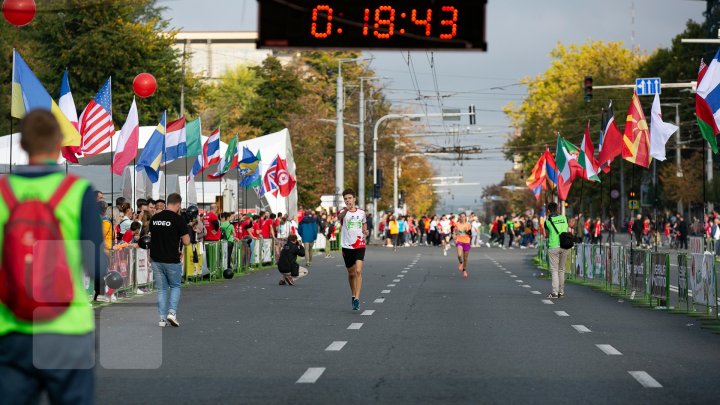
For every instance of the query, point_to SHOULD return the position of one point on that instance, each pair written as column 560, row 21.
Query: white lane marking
column 581, row 328
column 609, row 350
column 525, row 286
column 548, row 302
column 535, row 292
column 368, row 312
column 508, row 272
column 311, row 375
column 397, row 280
column 645, row 379
column 379, row 301
column 385, row 292
column 336, row 346
column 391, row 285
column 400, row 276
column 404, row 271
column 561, row 313
column 355, row 325
column 513, row 276
column 519, row 281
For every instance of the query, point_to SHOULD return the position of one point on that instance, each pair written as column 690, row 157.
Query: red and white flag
column 285, row 181
column 96, row 125
column 127, row 144
column 67, row 107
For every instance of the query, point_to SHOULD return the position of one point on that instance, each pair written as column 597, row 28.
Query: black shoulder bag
column 567, row 240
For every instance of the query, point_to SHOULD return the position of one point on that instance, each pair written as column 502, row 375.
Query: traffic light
column 471, row 110
column 379, row 178
column 631, row 195
column 588, row 88
column 376, row 191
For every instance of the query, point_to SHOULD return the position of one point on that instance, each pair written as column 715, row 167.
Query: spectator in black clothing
column 637, row 229
column 287, row 263
column 682, row 228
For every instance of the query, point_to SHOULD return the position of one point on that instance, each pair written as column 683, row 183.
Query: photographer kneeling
column 287, row 264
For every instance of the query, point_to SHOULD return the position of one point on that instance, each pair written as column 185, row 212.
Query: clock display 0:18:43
column 381, row 22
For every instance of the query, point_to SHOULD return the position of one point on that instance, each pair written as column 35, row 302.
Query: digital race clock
column 372, row 24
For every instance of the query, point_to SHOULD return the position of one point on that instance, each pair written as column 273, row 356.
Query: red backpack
column 35, row 278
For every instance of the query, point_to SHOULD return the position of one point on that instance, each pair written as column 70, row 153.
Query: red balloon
column 144, row 85
column 18, row 12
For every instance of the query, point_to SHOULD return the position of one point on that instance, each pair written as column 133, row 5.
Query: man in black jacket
column 287, row 264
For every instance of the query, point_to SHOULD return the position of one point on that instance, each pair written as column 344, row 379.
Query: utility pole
column 361, row 142
column 340, row 135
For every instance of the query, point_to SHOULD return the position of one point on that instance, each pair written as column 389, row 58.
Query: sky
column 520, row 36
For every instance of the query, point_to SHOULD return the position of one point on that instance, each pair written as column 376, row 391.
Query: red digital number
column 366, row 18
column 389, row 22
column 451, row 22
column 425, row 22
column 328, row 27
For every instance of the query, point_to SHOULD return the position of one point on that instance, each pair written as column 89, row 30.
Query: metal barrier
column 644, row 276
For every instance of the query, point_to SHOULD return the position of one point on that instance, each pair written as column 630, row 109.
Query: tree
column 225, row 104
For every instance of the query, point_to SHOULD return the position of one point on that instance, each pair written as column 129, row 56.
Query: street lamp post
column 361, row 142
column 340, row 135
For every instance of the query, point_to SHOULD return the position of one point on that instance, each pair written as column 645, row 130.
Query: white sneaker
column 140, row 292
column 172, row 320
column 444, row 252
column 102, row 298
column 162, row 323
column 113, row 298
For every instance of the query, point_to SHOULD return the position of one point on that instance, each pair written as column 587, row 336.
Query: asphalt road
column 423, row 335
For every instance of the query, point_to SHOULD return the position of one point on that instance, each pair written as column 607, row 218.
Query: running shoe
column 552, row 295
column 464, row 273
column 444, row 252
column 355, row 304
column 289, row 279
column 282, row 282
column 561, row 295
column 460, row 267
column 162, row 323
column 172, row 320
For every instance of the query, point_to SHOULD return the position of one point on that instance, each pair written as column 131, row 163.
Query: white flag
column 660, row 131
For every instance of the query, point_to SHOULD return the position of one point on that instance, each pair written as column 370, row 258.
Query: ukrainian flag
column 29, row 94
column 152, row 153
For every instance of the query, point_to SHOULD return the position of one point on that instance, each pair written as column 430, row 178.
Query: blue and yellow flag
column 151, row 155
column 29, row 94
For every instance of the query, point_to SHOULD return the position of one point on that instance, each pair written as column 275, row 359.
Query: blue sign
column 647, row 86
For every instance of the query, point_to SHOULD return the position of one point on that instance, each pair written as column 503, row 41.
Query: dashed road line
column 535, row 292
column 368, row 312
column 609, row 350
column 404, row 271
column 400, row 276
column 397, row 280
column 391, row 285
column 311, row 375
column 519, row 281
column 561, row 313
column 336, row 346
column 547, row 302
column 581, row 328
column 385, row 292
column 379, row 301
column 513, row 276
column 645, row 379
column 355, row 326
column 525, row 286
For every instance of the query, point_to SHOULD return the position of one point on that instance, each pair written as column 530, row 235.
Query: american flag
column 96, row 125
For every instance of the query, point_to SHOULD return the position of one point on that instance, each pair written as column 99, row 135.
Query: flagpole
column 112, row 189
column 11, row 143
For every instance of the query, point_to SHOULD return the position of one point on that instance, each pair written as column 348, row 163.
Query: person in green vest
column 228, row 233
column 47, row 336
column 556, row 224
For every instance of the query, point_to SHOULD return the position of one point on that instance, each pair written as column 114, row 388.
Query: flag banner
column 127, row 145
column 269, row 184
column 612, row 140
column 285, row 181
column 707, row 101
column 151, row 155
column 66, row 103
column 193, row 137
column 254, row 179
column 96, row 125
column 248, row 162
column 28, row 94
column 175, row 140
column 551, row 169
column 538, row 174
column 228, row 162
column 636, row 139
column 660, row 131
column 211, row 149
column 586, row 157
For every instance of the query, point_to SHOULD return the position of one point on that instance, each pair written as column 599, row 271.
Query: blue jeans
column 167, row 275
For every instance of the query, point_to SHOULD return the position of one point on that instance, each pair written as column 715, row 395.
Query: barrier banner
column 697, row 280
column 659, row 275
column 121, row 264
column 682, row 263
column 696, row 244
column 579, row 260
column 588, row 259
column 615, row 265
column 599, row 262
column 636, row 275
column 142, row 267
column 709, row 276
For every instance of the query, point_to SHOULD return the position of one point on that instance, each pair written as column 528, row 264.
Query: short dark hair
column 552, row 207
column 102, row 207
column 150, row 201
column 292, row 238
column 40, row 132
column 173, row 199
column 158, row 201
column 348, row 191
column 135, row 226
column 120, row 201
column 140, row 202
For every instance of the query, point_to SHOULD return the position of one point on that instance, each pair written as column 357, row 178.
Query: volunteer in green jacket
column 228, row 233
column 52, row 350
column 557, row 254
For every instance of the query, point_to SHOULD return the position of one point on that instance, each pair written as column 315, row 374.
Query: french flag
column 67, row 107
column 175, row 141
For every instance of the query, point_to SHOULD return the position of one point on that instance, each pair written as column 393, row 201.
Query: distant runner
column 354, row 231
column 462, row 242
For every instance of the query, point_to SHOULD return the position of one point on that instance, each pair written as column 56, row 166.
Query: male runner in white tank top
column 352, row 238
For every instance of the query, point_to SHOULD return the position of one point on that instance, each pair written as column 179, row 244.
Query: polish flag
column 127, row 145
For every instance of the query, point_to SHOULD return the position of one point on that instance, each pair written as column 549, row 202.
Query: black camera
column 189, row 214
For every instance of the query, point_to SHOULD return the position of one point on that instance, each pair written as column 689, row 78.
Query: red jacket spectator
column 212, row 225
